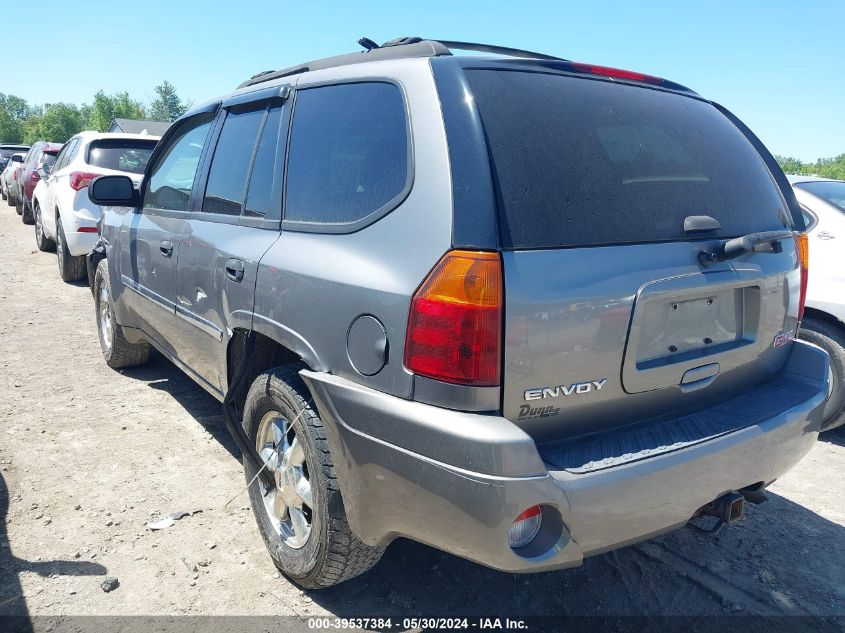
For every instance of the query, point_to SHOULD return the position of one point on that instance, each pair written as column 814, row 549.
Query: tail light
column 525, row 527
column 81, row 179
column 34, row 176
column 455, row 322
column 803, row 249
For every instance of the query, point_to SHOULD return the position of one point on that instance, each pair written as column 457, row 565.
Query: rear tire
column 44, row 243
column 831, row 338
column 26, row 213
column 70, row 268
column 323, row 551
column 15, row 202
column 117, row 351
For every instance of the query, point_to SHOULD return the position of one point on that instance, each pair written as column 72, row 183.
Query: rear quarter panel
column 311, row 286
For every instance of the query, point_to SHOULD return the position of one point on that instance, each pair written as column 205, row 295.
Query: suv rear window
column 122, row 155
column 6, row 152
column 582, row 162
column 832, row 192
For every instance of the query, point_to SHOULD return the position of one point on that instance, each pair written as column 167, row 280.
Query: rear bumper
column 456, row 480
column 80, row 214
column 79, row 244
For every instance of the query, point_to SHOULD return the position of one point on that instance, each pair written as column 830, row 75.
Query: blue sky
column 777, row 64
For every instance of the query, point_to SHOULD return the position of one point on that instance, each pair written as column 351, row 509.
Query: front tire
column 832, row 340
column 117, row 351
column 44, row 243
column 301, row 516
column 71, row 268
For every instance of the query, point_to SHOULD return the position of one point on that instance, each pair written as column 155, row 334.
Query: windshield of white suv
column 121, row 154
column 832, row 192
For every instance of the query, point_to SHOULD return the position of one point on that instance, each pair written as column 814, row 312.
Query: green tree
column 57, row 123
column 167, row 106
column 791, row 165
column 98, row 116
column 824, row 167
column 13, row 112
column 831, row 167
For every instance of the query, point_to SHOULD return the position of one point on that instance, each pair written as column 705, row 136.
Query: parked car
column 7, row 175
column 6, row 151
column 395, row 286
column 65, row 219
column 40, row 157
column 823, row 203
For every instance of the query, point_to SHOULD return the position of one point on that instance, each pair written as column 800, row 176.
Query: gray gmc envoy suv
column 521, row 309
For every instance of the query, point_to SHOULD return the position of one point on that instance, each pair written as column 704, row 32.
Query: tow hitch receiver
column 727, row 509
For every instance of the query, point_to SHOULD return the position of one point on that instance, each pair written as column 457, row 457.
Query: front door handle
column 165, row 248
column 235, row 270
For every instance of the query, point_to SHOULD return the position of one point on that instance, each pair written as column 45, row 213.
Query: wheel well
column 266, row 354
column 820, row 315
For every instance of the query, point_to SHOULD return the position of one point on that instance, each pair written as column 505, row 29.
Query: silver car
column 11, row 157
column 521, row 309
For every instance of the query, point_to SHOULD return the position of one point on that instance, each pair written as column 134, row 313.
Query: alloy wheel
column 60, row 245
column 105, row 314
column 289, row 501
column 39, row 230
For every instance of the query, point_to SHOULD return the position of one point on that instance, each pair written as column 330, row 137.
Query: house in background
column 138, row 126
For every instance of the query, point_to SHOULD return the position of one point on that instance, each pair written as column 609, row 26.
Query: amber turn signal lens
column 455, row 322
column 802, row 246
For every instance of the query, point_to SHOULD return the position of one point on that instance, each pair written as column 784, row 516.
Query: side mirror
column 44, row 168
column 17, row 159
column 114, row 191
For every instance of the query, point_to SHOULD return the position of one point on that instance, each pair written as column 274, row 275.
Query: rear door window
column 60, row 157
column 126, row 155
column 227, row 177
column 587, row 162
column 266, row 178
column 66, row 154
column 348, row 159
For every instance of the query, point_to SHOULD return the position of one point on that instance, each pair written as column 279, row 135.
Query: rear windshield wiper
column 743, row 245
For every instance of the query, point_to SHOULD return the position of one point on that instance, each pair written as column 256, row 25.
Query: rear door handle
column 235, row 270
column 166, row 248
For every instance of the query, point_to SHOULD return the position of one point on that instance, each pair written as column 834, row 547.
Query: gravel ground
column 89, row 455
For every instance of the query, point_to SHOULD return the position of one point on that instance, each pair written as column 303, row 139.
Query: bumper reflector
column 525, row 527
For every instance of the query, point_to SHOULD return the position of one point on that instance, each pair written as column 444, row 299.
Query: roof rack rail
column 498, row 50
column 398, row 48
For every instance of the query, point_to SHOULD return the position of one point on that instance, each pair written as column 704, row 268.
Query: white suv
column 65, row 219
column 823, row 204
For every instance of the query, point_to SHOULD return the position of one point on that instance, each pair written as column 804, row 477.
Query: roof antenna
column 367, row 43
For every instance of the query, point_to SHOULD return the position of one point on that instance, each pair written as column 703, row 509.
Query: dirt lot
column 89, row 455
